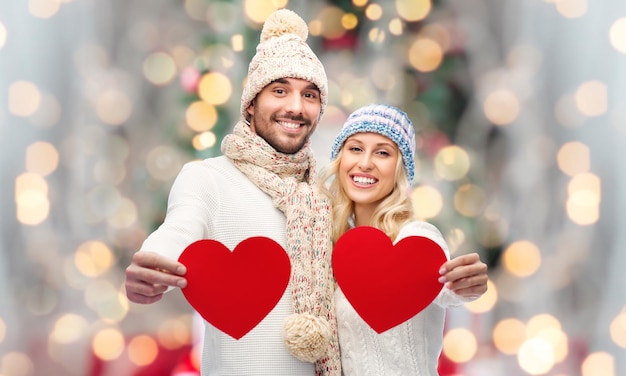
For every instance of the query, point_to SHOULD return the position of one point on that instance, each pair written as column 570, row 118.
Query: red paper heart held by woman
column 387, row 284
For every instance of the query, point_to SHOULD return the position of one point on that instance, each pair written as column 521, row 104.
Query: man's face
column 285, row 113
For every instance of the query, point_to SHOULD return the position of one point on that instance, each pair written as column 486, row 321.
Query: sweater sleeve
column 446, row 297
column 188, row 216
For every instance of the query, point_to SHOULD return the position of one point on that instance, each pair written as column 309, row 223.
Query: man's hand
column 466, row 275
column 149, row 275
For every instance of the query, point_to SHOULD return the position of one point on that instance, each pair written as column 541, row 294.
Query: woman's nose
column 365, row 163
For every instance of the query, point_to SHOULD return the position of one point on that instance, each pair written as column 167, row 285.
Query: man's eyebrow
column 282, row 80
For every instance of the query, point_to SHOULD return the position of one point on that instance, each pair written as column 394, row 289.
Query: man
column 264, row 185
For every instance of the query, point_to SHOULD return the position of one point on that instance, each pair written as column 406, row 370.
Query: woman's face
column 367, row 168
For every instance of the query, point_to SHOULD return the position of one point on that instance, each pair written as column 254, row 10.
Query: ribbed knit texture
column 289, row 179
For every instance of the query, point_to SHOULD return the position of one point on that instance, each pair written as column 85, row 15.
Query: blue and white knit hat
column 386, row 120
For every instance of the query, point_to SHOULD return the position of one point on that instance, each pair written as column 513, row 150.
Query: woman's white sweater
column 411, row 348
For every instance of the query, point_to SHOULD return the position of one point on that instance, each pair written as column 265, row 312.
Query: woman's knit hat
column 386, row 120
column 283, row 53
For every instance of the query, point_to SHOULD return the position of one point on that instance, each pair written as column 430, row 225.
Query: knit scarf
column 289, row 179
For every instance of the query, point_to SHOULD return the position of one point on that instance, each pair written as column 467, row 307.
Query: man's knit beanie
column 283, row 53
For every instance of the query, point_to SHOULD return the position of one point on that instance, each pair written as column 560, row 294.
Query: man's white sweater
column 212, row 199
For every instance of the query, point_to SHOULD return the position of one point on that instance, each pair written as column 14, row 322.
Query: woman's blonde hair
column 395, row 210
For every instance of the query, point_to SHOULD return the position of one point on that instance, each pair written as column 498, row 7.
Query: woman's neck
column 363, row 214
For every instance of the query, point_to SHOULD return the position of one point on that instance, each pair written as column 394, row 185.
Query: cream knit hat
column 283, row 53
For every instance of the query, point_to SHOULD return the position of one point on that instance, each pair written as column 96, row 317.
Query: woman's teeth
column 363, row 180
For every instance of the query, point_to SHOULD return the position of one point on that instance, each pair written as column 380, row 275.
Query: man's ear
column 250, row 108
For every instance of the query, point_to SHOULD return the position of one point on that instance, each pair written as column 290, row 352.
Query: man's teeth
column 363, row 180
column 289, row 125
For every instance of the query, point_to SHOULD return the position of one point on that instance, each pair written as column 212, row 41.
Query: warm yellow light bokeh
column 332, row 22
column 374, row 12
column 108, row 344
column 452, row 163
column 43, row 8
column 175, row 333
column 259, row 10
column 204, row 140
column 584, row 197
column 536, row 356
column 69, row 328
column 396, row 27
column 349, row 21
column 16, row 363
column 24, row 98
column 31, row 198
column 201, row 116
column 215, row 88
column 114, row 107
column 159, row 68
column 41, row 158
column 571, row 8
column 3, row 35
column 574, row 158
column 470, row 200
column 521, row 258
column 617, row 330
column 93, row 258
column 425, row 54
column 3, row 330
column 617, row 35
column 459, row 344
column 501, row 107
column 142, row 350
column 592, row 98
column 413, row 10
column 508, row 335
column 236, row 42
column 486, row 302
column 427, row 201
column 598, row 364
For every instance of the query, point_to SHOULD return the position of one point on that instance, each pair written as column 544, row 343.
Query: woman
column 372, row 165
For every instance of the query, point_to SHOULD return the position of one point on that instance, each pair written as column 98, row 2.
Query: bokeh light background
column 521, row 112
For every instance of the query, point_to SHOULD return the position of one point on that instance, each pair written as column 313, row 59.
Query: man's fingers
column 153, row 276
column 151, row 260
